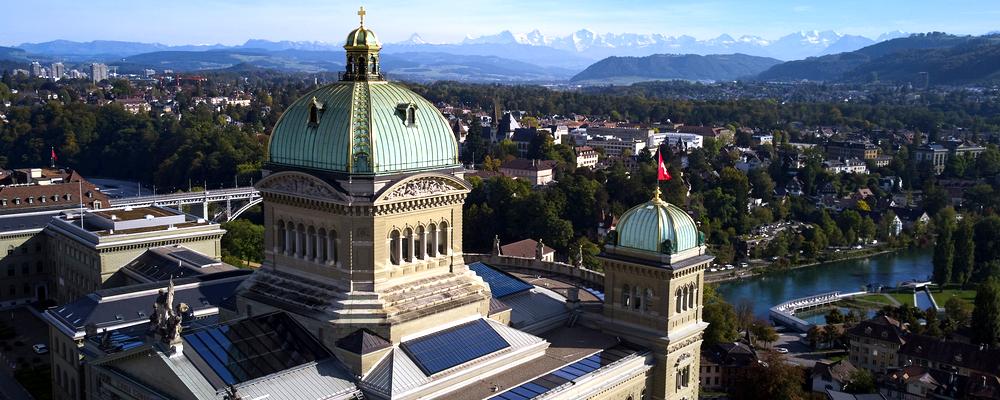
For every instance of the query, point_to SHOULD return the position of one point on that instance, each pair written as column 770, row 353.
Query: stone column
column 434, row 243
column 275, row 238
column 423, row 245
column 413, row 254
column 331, row 249
column 320, row 250
column 298, row 243
column 399, row 248
column 289, row 241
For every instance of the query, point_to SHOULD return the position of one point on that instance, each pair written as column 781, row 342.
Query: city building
column 623, row 133
column 614, row 147
column 585, row 157
column 849, row 166
column 536, row 172
column 722, row 364
column 36, row 70
column 683, row 141
column 523, row 137
column 845, row 149
column 85, row 250
column 761, row 139
column 365, row 291
column 98, row 72
column 134, row 105
column 875, row 343
column 938, row 154
column 57, row 71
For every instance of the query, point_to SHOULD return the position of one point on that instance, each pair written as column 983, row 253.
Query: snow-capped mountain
column 594, row 45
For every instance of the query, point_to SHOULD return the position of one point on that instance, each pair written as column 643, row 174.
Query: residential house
column 529, row 248
column 831, row 375
column 585, row 157
column 536, row 172
column 874, row 344
column 723, row 363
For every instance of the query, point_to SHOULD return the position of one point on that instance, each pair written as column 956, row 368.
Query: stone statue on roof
column 539, row 250
column 496, row 245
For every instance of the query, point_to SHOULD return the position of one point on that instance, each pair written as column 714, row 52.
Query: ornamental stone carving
column 420, row 187
column 298, row 184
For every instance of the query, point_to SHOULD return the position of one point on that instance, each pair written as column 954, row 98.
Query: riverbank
column 740, row 275
column 886, row 267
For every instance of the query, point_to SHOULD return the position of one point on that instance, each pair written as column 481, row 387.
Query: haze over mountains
column 582, row 57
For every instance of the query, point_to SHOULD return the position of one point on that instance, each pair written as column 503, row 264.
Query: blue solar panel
column 501, row 284
column 454, row 346
column 562, row 375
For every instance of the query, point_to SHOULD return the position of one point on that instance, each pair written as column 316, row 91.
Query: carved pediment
column 423, row 186
column 298, row 184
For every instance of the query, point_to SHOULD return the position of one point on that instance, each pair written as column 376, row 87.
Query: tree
column 474, row 148
column 244, row 240
column 762, row 331
column 720, row 316
column 771, row 378
column 860, row 381
column 944, row 247
column 986, row 313
column 957, row 312
column 964, row 260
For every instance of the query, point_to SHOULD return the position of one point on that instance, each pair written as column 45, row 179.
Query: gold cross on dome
column 361, row 13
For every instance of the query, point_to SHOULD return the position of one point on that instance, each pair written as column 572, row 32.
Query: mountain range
column 627, row 70
column 940, row 57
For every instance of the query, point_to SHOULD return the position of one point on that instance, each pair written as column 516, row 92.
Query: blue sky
column 235, row 21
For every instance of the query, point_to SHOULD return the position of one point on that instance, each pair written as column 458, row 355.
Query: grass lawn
column 874, row 298
column 905, row 298
column 969, row 296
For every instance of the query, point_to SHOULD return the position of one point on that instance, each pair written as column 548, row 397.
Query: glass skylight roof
column 554, row 379
column 501, row 283
column 454, row 346
column 255, row 347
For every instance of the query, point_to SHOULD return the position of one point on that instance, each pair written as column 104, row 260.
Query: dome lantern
column 362, row 46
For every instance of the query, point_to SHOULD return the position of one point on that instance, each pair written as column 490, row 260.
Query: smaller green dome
column 647, row 226
column 362, row 37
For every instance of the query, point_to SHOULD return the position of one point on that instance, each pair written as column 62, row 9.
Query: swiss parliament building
column 365, row 292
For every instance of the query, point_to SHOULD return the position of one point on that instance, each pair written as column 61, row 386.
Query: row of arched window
column 420, row 243
column 686, row 297
column 306, row 242
column 637, row 298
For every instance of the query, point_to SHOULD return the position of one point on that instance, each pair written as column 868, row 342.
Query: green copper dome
column 363, row 127
column 647, row 226
column 362, row 37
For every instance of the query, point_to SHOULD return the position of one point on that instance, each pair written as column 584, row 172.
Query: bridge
column 784, row 313
column 243, row 198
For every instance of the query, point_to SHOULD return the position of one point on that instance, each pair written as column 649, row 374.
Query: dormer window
column 408, row 111
column 315, row 109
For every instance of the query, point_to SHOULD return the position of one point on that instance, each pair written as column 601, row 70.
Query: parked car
column 781, row 350
column 40, row 348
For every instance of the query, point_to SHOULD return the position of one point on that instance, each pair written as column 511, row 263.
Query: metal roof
column 25, row 221
column 359, row 121
column 110, row 308
column 646, row 226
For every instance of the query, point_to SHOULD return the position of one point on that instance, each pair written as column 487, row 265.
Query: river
column 845, row 276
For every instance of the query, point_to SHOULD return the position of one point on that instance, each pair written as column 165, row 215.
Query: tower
column 654, row 266
column 362, row 206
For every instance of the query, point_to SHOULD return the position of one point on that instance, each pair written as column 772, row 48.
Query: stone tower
column 654, row 266
column 362, row 206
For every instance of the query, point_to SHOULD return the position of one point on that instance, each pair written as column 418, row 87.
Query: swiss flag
column 662, row 174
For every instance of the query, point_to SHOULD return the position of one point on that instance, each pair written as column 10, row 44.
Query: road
column 801, row 354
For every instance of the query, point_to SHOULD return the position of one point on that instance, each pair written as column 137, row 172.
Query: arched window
column 418, row 243
column 637, row 294
column 443, row 247
column 432, row 240
column 648, row 300
column 408, row 245
column 690, row 296
column 411, row 115
column 677, row 300
column 395, row 247
column 626, row 296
